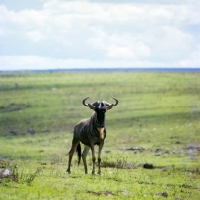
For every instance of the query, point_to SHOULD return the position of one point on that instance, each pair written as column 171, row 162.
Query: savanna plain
column 152, row 148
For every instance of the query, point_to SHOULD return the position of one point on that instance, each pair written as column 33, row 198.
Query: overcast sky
column 57, row 34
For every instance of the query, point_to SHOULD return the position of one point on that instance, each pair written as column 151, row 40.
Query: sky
column 59, row 34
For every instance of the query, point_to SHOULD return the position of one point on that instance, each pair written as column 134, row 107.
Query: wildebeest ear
column 91, row 106
column 109, row 107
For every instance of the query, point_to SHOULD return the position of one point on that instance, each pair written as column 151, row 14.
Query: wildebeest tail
column 78, row 149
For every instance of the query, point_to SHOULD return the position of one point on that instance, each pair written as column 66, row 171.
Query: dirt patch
column 107, row 193
column 118, row 165
column 13, row 107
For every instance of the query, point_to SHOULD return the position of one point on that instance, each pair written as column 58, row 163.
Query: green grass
column 159, row 112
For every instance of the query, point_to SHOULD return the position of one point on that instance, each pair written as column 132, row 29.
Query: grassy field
column 157, row 122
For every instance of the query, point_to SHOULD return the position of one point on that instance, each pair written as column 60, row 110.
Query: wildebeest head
column 100, row 109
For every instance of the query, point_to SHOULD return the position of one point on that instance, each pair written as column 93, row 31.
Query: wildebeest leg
column 71, row 153
column 93, row 159
column 84, row 154
column 99, row 157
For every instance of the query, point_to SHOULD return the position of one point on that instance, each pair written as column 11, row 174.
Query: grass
column 157, row 112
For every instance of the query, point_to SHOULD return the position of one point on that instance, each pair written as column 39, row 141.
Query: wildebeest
column 90, row 132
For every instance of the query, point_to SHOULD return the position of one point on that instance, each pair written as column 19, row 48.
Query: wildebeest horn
column 89, row 105
column 116, row 101
column 109, row 106
column 84, row 101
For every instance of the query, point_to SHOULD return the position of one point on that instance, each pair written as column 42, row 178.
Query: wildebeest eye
column 102, row 104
